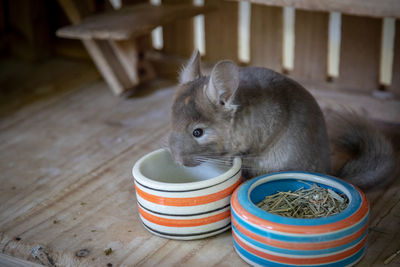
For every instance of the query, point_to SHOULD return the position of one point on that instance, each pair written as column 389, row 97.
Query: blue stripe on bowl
column 300, row 238
column 298, row 252
column 244, row 199
column 263, row 262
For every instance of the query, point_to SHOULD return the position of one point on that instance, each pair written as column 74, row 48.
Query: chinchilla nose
column 178, row 159
column 173, row 147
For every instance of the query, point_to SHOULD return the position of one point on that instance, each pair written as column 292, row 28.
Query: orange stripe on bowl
column 184, row 222
column 188, row 201
column 297, row 245
column 301, row 261
column 302, row 229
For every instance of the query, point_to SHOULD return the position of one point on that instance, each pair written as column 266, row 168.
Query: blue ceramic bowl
column 265, row 239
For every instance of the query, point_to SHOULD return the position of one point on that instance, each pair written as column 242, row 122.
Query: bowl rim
column 356, row 198
column 181, row 187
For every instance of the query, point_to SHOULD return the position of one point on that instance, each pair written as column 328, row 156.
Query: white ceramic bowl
column 184, row 202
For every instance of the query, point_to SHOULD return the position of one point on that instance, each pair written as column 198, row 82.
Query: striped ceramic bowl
column 265, row 239
column 184, row 202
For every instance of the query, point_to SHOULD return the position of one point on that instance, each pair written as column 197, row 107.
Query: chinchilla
column 272, row 123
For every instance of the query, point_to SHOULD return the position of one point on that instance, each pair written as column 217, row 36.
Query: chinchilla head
column 203, row 112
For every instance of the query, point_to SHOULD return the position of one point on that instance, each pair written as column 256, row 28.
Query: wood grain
column 100, row 51
column 178, row 36
column 222, row 43
column 8, row 261
column 383, row 227
column 66, row 176
column 359, row 53
column 112, row 69
column 121, row 62
column 266, row 37
column 311, row 45
column 79, row 183
column 128, row 22
column 373, row 8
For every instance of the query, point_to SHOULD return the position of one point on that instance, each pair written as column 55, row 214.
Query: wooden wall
column 360, row 47
column 266, row 29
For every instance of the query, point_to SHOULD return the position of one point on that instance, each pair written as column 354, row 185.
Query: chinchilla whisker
column 216, row 161
column 163, row 141
column 221, row 159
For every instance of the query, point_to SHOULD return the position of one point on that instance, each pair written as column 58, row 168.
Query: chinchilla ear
column 224, row 80
column 191, row 71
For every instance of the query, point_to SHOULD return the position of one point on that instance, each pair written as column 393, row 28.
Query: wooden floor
column 67, row 148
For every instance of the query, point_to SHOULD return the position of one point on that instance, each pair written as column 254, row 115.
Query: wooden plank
column 311, row 46
column 111, row 59
column 178, row 36
column 128, row 22
column 24, row 88
column 332, row 97
column 360, row 52
column 74, row 190
column 395, row 87
column 222, row 44
column 266, row 37
column 109, row 65
column 131, row 55
column 384, row 237
column 82, row 207
column 30, row 33
column 8, row 261
column 127, row 54
column 372, row 8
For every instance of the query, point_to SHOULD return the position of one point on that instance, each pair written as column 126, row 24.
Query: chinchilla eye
column 198, row 132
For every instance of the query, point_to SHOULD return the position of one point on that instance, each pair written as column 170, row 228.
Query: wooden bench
column 114, row 39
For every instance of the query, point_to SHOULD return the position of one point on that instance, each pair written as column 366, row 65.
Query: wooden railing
column 368, row 59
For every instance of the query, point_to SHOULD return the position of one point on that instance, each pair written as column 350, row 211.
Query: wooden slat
column 178, row 36
column 127, row 22
column 359, row 53
column 8, row 261
column 266, row 37
column 373, row 8
column 127, row 53
column 383, row 236
column 16, row 102
column 311, row 45
column 131, row 56
column 75, row 191
column 117, row 60
column 221, row 31
column 333, row 97
column 395, row 87
column 66, row 182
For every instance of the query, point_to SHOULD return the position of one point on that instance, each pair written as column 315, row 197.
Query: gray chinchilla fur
column 272, row 123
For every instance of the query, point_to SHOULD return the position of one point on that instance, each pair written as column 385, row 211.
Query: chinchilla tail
column 372, row 162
